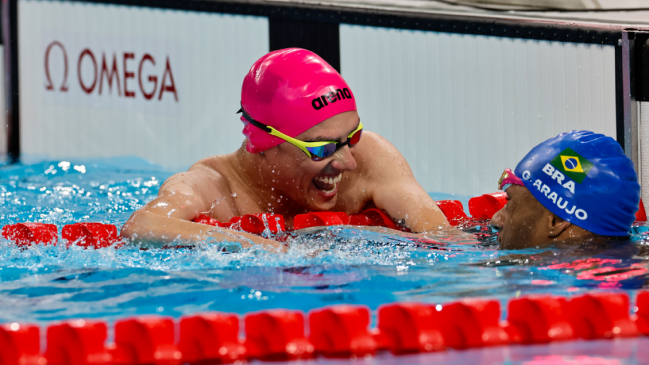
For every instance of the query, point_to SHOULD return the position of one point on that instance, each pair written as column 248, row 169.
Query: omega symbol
column 49, row 85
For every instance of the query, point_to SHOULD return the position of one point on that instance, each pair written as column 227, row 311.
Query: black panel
column 619, row 97
column 642, row 67
column 452, row 23
column 321, row 38
column 10, row 33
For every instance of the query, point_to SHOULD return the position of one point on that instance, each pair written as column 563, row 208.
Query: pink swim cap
column 291, row 90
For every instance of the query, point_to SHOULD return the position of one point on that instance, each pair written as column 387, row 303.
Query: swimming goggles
column 508, row 179
column 315, row 150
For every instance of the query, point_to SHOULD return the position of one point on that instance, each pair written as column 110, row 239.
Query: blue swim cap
column 585, row 179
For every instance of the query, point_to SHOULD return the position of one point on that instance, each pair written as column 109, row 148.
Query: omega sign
column 97, row 73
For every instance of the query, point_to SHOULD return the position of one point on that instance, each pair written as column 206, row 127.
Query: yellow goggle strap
column 303, row 145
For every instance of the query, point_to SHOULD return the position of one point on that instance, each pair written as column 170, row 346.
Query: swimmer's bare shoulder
column 207, row 178
column 377, row 161
column 186, row 194
column 374, row 152
column 384, row 178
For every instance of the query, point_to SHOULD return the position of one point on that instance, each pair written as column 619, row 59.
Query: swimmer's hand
column 248, row 240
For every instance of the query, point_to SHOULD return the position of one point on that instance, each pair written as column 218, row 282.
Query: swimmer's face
column 314, row 184
column 523, row 221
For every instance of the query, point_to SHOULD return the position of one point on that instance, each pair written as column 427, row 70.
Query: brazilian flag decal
column 572, row 165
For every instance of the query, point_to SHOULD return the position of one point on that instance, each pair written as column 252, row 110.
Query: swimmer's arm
column 168, row 217
column 396, row 190
column 408, row 203
column 145, row 226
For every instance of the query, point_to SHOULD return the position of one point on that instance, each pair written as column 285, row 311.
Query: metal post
column 10, row 41
column 629, row 112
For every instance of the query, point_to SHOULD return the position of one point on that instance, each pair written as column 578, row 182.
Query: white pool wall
column 209, row 56
column 462, row 108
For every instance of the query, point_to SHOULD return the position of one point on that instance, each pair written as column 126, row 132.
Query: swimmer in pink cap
column 305, row 150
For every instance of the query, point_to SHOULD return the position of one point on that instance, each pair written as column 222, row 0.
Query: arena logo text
column 331, row 97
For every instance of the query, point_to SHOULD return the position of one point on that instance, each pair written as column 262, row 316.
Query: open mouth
column 328, row 184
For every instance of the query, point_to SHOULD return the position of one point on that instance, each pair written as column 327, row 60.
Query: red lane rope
column 99, row 235
column 339, row 331
column 335, row 331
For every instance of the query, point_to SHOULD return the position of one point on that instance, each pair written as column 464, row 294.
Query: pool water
column 322, row 266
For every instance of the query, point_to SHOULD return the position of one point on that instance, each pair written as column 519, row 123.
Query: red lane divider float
column 453, row 210
column 375, row 217
column 145, row 340
column 20, row 343
column 211, row 337
column 641, row 214
column 251, row 223
column 409, row 328
column 95, row 235
column 485, row 206
column 98, row 235
column 318, row 219
column 642, row 321
column 370, row 217
column 598, row 315
column 77, row 342
column 25, row 234
column 89, row 235
column 340, row 331
column 472, row 323
column 277, row 334
column 539, row 319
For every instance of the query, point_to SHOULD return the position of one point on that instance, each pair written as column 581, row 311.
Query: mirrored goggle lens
column 508, row 178
column 355, row 138
column 322, row 151
column 502, row 178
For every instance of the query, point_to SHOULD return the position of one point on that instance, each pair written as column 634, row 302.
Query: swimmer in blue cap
column 576, row 186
